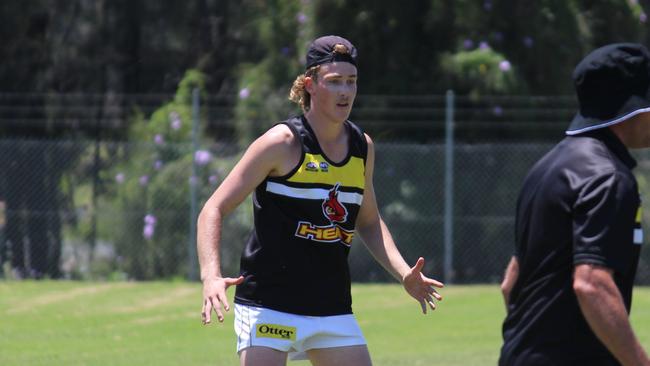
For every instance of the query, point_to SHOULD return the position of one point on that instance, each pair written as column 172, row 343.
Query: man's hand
column 420, row 287
column 214, row 294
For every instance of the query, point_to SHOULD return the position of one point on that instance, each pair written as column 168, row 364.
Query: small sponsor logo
column 275, row 331
column 324, row 167
column 638, row 236
column 311, row 167
column 638, row 230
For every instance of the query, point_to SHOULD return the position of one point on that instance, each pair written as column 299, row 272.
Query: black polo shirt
column 579, row 204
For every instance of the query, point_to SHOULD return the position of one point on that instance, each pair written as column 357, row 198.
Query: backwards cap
column 329, row 49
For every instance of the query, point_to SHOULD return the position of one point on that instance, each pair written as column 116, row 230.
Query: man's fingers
column 423, row 305
column 234, row 281
column 431, row 303
column 214, row 297
column 434, row 293
column 226, row 305
column 419, row 265
column 216, row 305
column 433, row 282
column 205, row 313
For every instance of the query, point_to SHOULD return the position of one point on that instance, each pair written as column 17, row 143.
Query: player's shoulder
column 368, row 139
column 367, row 146
column 277, row 141
column 279, row 134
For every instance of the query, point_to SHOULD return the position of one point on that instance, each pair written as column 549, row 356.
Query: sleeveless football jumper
column 295, row 260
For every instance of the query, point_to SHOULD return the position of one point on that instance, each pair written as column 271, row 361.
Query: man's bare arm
column 509, row 279
column 274, row 153
column 602, row 305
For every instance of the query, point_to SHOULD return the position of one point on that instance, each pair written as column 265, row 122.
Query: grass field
column 126, row 323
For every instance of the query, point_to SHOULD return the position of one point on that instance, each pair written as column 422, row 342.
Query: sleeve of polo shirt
column 603, row 221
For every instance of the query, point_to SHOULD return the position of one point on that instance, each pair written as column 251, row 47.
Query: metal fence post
column 449, row 188
column 191, row 248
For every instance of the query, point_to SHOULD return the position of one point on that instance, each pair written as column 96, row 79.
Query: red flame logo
column 332, row 208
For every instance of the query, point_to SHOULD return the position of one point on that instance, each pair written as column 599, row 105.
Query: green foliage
column 172, row 121
column 609, row 21
column 480, row 72
column 261, row 103
column 264, row 85
column 401, row 48
column 147, row 203
column 153, row 189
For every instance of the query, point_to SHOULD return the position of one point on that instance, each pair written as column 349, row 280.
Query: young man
column 568, row 287
column 313, row 191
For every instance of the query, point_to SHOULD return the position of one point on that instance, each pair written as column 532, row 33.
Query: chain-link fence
column 124, row 210
column 409, row 184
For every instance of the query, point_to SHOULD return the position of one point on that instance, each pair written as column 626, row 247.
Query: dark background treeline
column 420, row 47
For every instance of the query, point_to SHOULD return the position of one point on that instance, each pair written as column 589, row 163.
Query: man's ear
column 309, row 84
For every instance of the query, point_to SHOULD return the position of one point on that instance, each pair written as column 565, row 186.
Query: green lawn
column 125, row 323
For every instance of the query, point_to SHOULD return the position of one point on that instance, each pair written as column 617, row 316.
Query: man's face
column 638, row 131
column 334, row 93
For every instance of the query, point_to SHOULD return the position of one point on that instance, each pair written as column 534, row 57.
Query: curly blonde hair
column 298, row 94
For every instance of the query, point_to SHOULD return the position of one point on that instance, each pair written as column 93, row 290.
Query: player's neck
column 327, row 130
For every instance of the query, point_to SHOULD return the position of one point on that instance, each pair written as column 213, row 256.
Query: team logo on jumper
column 275, row 331
column 325, row 234
column 335, row 212
column 332, row 208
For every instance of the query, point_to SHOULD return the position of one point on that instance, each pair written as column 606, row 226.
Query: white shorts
column 293, row 333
